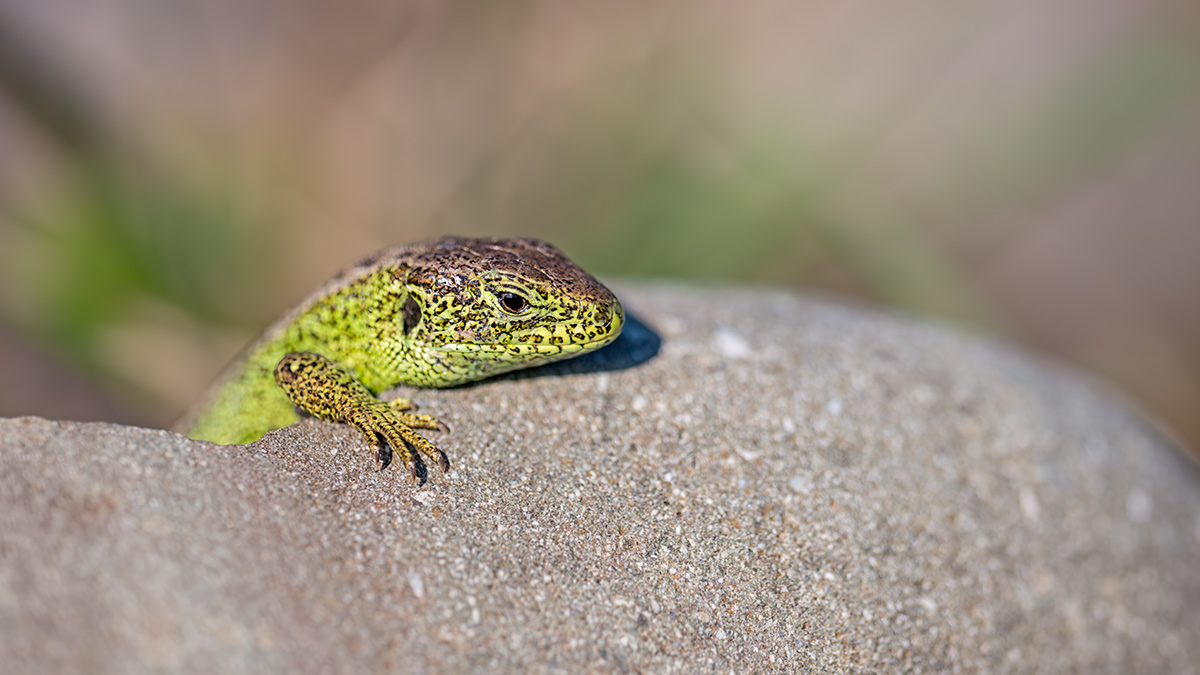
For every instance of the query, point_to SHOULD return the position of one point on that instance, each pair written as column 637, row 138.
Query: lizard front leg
column 323, row 389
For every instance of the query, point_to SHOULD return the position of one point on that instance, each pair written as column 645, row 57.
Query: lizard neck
column 361, row 327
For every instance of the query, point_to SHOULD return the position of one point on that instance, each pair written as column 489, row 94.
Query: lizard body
column 433, row 314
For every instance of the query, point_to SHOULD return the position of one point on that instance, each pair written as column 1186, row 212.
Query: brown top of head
column 529, row 258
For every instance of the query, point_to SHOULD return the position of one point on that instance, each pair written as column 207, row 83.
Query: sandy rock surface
column 746, row 482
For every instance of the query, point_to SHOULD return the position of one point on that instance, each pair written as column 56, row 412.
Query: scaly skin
column 433, row 314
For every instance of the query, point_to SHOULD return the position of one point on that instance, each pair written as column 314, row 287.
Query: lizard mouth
column 529, row 347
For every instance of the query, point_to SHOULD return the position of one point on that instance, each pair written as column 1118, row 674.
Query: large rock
column 781, row 485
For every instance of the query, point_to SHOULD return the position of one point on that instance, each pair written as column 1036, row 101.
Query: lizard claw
column 383, row 454
column 416, row 470
column 323, row 389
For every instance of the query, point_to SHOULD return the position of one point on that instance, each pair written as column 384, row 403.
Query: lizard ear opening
column 412, row 314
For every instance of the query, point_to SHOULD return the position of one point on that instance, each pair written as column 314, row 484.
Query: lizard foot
column 323, row 389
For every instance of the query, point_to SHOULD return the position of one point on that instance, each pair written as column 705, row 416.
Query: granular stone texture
column 746, row 482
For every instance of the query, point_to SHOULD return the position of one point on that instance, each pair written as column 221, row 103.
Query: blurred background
column 174, row 175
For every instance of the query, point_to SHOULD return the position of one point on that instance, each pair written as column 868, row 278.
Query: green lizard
column 433, row 314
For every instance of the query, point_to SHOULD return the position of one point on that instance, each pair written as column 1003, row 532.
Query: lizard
column 432, row 314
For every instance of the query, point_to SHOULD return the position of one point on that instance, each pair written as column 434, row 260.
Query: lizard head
column 479, row 307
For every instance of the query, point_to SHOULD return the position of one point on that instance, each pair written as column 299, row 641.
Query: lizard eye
column 513, row 303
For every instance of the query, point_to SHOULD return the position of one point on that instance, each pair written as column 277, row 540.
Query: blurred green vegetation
column 116, row 230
